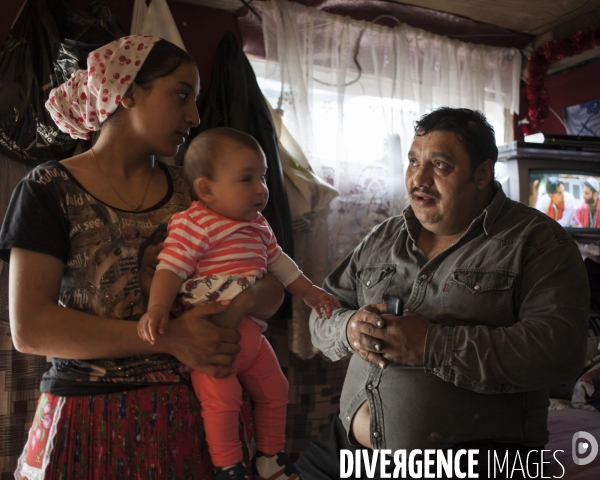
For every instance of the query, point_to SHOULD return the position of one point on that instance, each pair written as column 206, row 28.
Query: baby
column 214, row 250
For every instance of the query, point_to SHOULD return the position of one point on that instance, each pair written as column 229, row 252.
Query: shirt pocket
column 373, row 282
column 479, row 296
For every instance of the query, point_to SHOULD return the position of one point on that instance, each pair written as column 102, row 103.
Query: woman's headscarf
column 81, row 104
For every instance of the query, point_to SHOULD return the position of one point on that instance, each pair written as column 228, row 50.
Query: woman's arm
column 261, row 300
column 40, row 326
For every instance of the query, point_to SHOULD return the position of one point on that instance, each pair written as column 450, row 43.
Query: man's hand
column 380, row 338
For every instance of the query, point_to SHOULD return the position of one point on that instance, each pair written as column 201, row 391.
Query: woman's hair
column 164, row 58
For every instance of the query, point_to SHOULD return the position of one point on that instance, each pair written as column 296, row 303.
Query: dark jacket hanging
column 235, row 100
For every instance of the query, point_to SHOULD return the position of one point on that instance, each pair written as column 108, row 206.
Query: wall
column 9, row 13
column 567, row 88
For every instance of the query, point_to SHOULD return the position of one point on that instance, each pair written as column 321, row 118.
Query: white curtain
column 355, row 122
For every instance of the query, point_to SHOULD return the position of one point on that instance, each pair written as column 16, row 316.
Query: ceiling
column 531, row 16
column 541, row 19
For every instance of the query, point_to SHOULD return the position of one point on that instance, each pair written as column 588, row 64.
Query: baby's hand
column 153, row 321
column 320, row 301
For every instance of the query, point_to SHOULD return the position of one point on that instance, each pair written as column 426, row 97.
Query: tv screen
column 570, row 198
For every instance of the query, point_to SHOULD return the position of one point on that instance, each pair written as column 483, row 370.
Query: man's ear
column 203, row 190
column 484, row 174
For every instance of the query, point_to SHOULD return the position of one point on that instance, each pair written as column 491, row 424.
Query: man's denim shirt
column 509, row 309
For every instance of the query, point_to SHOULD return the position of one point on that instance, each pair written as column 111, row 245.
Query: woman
column 112, row 405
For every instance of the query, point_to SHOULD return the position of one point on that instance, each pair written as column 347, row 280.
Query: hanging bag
column 307, row 193
column 156, row 20
column 35, row 59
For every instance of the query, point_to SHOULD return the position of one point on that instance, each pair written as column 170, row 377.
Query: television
column 556, row 180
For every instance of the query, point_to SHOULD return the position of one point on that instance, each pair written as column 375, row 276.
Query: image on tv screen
column 570, row 199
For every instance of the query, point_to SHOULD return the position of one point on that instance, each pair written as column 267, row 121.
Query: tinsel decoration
column 540, row 60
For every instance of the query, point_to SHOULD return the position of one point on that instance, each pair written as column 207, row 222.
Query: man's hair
column 471, row 128
column 552, row 185
column 200, row 157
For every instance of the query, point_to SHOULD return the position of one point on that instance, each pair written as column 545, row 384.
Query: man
column 556, row 203
column 586, row 215
column 496, row 302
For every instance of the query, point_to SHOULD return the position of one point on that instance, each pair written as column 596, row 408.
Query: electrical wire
column 512, row 34
column 559, row 118
column 356, row 52
column 358, row 41
column 470, row 35
column 247, row 5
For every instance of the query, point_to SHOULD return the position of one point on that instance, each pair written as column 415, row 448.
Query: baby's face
column 239, row 187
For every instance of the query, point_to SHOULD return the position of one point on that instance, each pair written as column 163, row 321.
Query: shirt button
column 406, row 309
column 348, row 418
column 476, row 287
column 436, row 370
column 376, row 434
column 424, row 276
column 370, row 386
column 368, row 283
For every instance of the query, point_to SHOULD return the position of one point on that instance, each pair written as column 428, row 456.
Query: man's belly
column 360, row 425
column 408, row 408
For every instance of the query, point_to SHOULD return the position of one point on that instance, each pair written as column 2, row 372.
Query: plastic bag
column 307, row 193
column 155, row 19
column 30, row 67
column 86, row 33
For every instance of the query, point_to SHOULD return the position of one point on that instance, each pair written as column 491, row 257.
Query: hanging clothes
column 235, row 100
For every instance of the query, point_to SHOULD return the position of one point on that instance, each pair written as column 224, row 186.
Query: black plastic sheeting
column 50, row 40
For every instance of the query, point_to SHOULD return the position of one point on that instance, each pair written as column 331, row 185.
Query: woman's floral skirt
column 149, row 433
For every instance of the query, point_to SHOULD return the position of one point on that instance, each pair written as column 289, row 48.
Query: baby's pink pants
column 258, row 371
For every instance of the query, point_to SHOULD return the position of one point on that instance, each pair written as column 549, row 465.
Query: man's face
column 558, row 197
column 591, row 198
column 441, row 187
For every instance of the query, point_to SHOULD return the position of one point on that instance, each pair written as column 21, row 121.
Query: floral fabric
column 210, row 288
column 81, row 104
column 146, row 447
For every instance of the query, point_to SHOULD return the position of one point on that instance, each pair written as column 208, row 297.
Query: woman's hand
column 200, row 344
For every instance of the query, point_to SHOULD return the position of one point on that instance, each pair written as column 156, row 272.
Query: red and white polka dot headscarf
column 81, row 104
